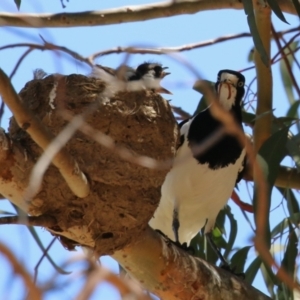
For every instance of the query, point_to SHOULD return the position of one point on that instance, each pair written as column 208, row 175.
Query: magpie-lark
column 145, row 76
column 199, row 184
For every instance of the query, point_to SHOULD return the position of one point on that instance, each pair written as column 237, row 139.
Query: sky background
column 167, row 32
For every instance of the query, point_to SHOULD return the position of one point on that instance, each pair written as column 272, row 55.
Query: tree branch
column 177, row 275
column 34, row 292
column 125, row 14
column 27, row 121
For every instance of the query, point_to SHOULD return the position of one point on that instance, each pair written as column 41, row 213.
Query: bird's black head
column 230, row 89
column 151, row 69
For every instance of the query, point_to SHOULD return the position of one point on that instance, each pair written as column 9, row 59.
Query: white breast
column 198, row 192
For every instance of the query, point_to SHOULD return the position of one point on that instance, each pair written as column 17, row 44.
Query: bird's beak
column 163, row 74
column 162, row 90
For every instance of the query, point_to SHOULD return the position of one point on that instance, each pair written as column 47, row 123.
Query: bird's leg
column 175, row 226
column 216, row 249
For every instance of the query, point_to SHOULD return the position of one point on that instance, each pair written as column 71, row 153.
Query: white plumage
column 196, row 191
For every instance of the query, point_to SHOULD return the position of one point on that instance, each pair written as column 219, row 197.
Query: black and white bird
column 199, row 184
column 145, row 76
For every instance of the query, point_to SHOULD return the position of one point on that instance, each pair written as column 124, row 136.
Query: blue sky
column 168, row 32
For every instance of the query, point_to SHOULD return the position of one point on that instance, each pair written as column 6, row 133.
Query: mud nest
column 123, row 195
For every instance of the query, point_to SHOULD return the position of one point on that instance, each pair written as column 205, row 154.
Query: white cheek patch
column 227, row 95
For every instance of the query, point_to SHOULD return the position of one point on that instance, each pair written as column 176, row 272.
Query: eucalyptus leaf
column 297, row 6
column 239, row 259
column 233, row 231
column 252, row 270
column 201, row 86
column 276, row 9
column 284, row 72
column 272, row 152
column 269, row 157
column 18, row 3
column 291, row 252
column 293, row 110
column 249, row 11
column 251, row 55
column 293, row 149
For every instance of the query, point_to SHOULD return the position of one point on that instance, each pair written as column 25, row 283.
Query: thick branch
column 27, row 121
column 262, row 127
column 177, row 275
column 125, row 14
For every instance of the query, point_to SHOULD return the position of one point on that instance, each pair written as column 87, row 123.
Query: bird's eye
column 240, row 84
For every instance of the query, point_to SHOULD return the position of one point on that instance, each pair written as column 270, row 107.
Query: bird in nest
column 146, row 76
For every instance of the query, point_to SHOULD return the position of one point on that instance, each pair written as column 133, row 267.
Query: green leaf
column 233, row 231
column 293, row 149
column 18, row 3
column 201, row 86
column 248, row 7
column 239, row 258
column 218, row 238
column 252, row 270
column 272, row 152
column 293, row 110
column 283, row 224
column 297, row 6
column 285, row 76
column 276, row 9
column 269, row 157
column 290, row 255
column 251, row 55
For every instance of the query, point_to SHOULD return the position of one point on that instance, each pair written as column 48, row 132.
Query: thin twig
column 287, row 63
column 181, row 112
column 34, row 291
column 26, row 120
column 17, row 65
column 43, row 220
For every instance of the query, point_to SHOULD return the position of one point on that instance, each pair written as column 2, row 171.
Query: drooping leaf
column 18, row 3
column 276, row 9
column 268, row 278
column 249, row 11
column 269, row 157
column 233, row 231
column 251, row 55
column 293, row 110
column 272, row 152
column 252, row 270
column 197, row 244
column 293, row 149
column 297, row 6
column 283, row 224
column 291, row 252
column 239, row 258
column 285, row 76
column 201, row 86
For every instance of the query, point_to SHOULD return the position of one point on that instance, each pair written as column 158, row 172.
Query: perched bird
column 145, row 76
column 199, row 184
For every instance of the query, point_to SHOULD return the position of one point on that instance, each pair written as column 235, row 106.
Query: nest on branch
column 123, row 195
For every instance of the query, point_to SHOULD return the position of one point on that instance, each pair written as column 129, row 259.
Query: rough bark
column 123, row 195
column 171, row 273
